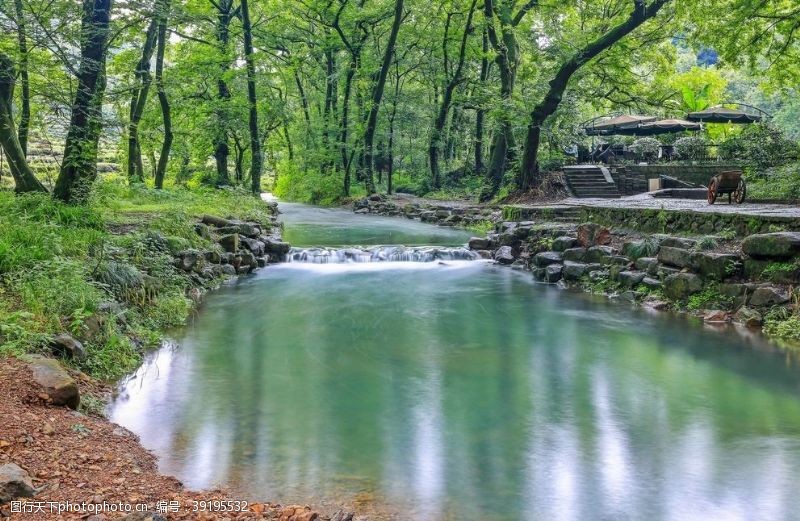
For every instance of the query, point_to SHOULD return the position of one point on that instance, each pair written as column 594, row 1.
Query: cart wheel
column 740, row 193
column 712, row 191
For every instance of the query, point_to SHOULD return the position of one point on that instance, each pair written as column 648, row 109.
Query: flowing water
column 455, row 389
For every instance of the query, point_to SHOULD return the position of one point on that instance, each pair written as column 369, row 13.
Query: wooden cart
column 731, row 183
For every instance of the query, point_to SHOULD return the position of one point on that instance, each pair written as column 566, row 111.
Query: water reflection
column 466, row 392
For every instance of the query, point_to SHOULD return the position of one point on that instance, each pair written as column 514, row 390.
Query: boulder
column 768, row 296
column 673, row 256
column 546, row 258
column 276, row 247
column 203, row 230
column 631, row 279
column 715, row 316
column 598, row 253
column 678, row 242
column 14, row 483
column 778, row 245
column 55, row 382
column 564, row 243
column 591, row 234
column 648, row 264
column 213, row 257
column 748, row 317
column 573, row 270
column 189, row 259
column 553, row 273
column 504, row 255
column 228, row 269
column 617, row 260
column 716, row 266
column 598, row 275
column 574, row 254
column 65, row 344
column 254, row 245
column 679, row 286
column 248, row 259
column 230, row 242
column 651, row 283
column 478, row 243
column 637, row 249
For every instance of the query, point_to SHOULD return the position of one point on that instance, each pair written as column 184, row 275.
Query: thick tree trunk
column 79, row 167
column 377, row 95
column 138, row 100
column 25, row 113
column 529, row 173
column 24, row 179
column 257, row 159
column 166, row 116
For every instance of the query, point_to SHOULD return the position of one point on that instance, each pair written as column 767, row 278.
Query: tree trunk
column 25, row 115
column 348, row 85
column 166, row 116
column 79, row 167
column 138, row 100
column 377, row 95
column 529, row 173
column 257, row 160
column 447, row 98
column 481, row 113
column 24, row 179
column 221, row 148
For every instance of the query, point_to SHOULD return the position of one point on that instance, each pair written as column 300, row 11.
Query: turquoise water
column 461, row 390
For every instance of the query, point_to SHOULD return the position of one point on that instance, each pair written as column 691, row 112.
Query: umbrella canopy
column 720, row 114
column 664, row 126
column 615, row 125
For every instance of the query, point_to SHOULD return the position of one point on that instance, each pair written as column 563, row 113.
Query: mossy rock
column 778, row 245
column 680, row 286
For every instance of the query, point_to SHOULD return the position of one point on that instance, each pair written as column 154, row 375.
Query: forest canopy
column 321, row 100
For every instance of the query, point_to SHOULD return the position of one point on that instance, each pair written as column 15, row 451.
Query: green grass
column 103, row 272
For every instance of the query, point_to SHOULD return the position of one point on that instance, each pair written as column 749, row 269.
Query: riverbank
column 719, row 264
column 86, row 292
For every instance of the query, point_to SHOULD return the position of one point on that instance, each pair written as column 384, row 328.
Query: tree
column 377, row 95
column 456, row 77
column 162, row 16
column 79, row 166
column 642, row 12
column 24, row 179
column 138, row 100
column 255, row 141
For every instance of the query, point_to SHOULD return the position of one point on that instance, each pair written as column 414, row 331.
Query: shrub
column 761, row 145
column 646, row 147
column 690, row 148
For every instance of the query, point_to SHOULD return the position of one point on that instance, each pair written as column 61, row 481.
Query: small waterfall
column 379, row 254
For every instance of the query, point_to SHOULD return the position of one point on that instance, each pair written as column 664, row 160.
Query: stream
column 425, row 382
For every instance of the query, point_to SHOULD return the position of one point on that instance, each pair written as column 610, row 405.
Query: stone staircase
column 590, row 181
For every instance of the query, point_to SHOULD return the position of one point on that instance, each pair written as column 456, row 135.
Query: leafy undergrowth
column 102, row 272
column 780, row 183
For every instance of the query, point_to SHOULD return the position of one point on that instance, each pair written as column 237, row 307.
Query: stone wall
column 633, row 179
column 721, row 281
column 659, row 221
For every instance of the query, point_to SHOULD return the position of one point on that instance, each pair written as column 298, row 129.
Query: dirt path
column 74, row 458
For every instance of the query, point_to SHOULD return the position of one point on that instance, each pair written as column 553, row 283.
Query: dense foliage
column 327, row 99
